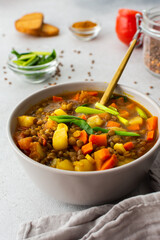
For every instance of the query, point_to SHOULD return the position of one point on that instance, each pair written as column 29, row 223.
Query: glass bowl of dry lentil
column 77, row 187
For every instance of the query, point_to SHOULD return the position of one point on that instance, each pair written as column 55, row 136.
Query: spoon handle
column 112, row 84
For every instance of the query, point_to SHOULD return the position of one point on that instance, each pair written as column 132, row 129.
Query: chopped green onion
column 123, row 120
column 31, row 61
column 141, row 113
column 33, row 58
column 88, row 110
column 106, row 109
column 26, row 56
column 120, row 133
column 113, row 108
column 42, row 53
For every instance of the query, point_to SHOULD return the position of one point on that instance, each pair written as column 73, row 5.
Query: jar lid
column 151, row 22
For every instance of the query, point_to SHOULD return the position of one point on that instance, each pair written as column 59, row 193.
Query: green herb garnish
column 120, row 133
column 88, row 110
column 141, row 113
column 106, row 109
column 75, row 120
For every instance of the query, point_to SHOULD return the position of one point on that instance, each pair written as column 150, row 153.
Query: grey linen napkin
column 134, row 218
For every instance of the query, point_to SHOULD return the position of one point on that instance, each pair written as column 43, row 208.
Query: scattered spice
column 71, row 66
column 60, row 56
column 4, row 72
column 69, row 77
column 90, row 54
column 151, row 87
column 84, row 25
column 147, row 93
column 5, row 78
column 89, row 74
column 4, row 67
column 60, row 64
column 10, row 83
column 135, row 82
column 91, row 67
column 78, row 52
column 152, row 55
column 93, row 62
column 62, row 52
column 73, row 70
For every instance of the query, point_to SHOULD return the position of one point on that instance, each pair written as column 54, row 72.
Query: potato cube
column 136, row 120
column 60, row 137
column 25, row 121
column 60, row 112
column 65, row 165
column 94, row 121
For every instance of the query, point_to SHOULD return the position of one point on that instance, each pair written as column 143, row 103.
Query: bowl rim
column 68, row 172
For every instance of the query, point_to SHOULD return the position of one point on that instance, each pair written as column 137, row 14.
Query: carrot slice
column 87, row 148
column 113, row 124
column 76, row 97
column 110, row 163
column 128, row 146
column 92, row 93
column 134, row 127
column 152, row 123
column 24, row 143
column 103, row 115
column 76, row 148
column 150, row 136
column 99, row 140
column 114, row 105
column 124, row 113
column 84, row 136
column 57, row 99
column 83, row 117
column 131, row 106
column 100, row 156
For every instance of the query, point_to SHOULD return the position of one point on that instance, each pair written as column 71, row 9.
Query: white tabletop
column 20, row 199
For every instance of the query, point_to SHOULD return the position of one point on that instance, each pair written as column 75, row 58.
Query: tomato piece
column 126, row 25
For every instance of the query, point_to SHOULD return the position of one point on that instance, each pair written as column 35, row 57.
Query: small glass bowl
column 86, row 34
column 33, row 74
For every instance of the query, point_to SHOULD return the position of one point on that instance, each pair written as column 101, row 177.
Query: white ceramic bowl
column 85, row 188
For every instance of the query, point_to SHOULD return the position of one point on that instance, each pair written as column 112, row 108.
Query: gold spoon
column 108, row 92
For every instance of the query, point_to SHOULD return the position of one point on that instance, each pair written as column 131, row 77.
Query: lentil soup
column 74, row 132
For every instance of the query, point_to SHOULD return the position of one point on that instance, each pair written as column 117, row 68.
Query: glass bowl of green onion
column 33, row 67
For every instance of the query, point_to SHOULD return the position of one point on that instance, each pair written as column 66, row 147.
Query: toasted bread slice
column 32, row 21
column 48, row 30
